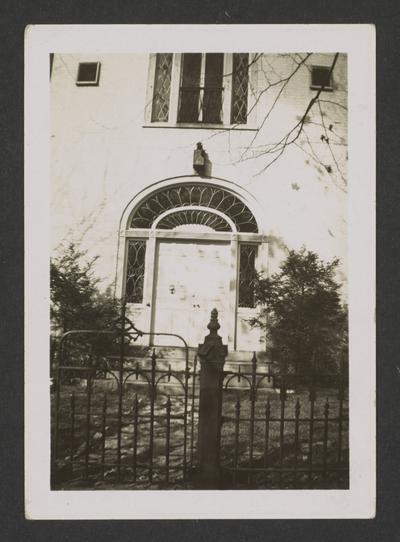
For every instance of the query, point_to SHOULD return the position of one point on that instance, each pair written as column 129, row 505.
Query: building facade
column 187, row 173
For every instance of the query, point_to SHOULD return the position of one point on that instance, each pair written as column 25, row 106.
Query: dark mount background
column 14, row 16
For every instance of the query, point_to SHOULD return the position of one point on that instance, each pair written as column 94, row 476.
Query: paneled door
column 192, row 277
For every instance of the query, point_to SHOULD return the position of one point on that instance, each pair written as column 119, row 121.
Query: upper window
column 200, row 88
column 321, row 77
column 88, row 74
column 240, row 85
column 162, row 87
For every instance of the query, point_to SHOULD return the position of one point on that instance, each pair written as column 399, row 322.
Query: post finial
column 212, row 349
column 213, row 325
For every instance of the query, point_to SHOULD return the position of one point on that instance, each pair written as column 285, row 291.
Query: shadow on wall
column 277, row 252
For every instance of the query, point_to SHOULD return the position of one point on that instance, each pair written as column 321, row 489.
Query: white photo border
column 358, row 41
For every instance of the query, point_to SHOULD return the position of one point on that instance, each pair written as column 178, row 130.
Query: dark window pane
column 191, row 70
column 240, row 83
column 162, row 87
column 320, row 76
column 247, row 275
column 88, row 73
column 212, row 99
column 190, row 88
column 214, row 70
column 135, row 271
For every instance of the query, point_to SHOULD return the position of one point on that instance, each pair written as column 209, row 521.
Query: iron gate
column 119, row 421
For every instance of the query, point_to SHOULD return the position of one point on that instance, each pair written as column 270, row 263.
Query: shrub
column 77, row 303
column 302, row 314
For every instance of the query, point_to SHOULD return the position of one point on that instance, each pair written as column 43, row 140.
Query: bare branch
column 297, row 129
column 285, row 82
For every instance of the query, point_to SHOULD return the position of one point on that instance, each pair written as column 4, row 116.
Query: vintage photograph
column 199, row 270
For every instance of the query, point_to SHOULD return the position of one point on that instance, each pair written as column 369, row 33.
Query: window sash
column 201, row 88
column 240, row 85
column 135, row 267
column 247, row 275
column 162, row 87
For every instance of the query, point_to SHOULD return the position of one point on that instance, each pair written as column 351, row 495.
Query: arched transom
column 190, row 215
column 196, row 196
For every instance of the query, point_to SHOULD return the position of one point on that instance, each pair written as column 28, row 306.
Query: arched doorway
column 192, row 245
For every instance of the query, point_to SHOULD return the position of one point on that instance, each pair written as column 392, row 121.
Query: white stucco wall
column 102, row 155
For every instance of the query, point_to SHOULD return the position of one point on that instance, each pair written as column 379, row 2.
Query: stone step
column 177, row 353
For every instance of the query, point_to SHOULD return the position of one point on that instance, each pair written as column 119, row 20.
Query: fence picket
column 325, row 440
column 103, row 434
column 237, row 431
column 88, row 412
column 266, row 438
column 167, row 438
column 152, row 401
column 72, row 436
column 135, row 436
column 296, row 438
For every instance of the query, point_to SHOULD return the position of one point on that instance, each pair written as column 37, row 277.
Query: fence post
column 212, row 354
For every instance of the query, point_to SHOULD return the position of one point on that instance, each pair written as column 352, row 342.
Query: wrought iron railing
column 120, row 420
column 285, row 430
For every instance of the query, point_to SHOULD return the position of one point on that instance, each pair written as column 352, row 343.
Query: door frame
column 196, row 240
column 153, row 236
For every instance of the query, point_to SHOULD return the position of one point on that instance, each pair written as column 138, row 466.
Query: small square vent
column 88, row 74
column 321, row 76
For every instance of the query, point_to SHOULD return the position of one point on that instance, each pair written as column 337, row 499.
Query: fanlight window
column 199, row 217
column 198, row 195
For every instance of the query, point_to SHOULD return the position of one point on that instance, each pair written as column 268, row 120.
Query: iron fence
column 284, row 430
column 122, row 420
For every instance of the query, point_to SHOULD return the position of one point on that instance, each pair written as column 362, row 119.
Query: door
column 191, row 279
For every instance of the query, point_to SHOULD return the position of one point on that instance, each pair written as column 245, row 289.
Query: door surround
column 153, row 235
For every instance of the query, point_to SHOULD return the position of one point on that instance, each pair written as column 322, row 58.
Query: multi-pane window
column 200, row 88
column 135, row 271
column 162, row 87
column 247, row 275
column 240, row 84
